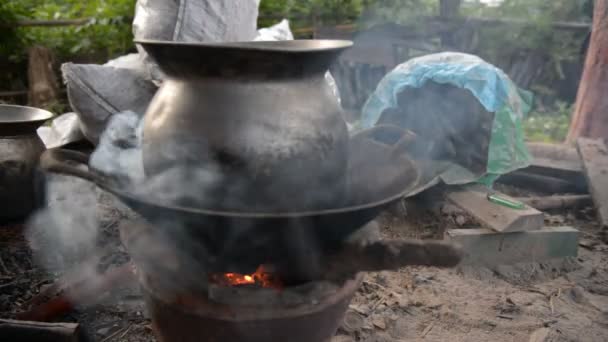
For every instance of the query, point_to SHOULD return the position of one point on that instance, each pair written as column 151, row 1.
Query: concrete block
column 489, row 248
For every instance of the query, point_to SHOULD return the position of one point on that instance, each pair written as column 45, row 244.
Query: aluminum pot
column 20, row 150
column 258, row 114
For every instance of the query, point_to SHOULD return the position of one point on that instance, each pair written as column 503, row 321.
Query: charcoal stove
column 310, row 315
column 187, row 305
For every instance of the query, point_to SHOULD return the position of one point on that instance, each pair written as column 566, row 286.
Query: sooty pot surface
column 259, row 116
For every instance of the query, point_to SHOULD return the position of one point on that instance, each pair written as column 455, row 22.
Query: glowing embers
column 263, row 277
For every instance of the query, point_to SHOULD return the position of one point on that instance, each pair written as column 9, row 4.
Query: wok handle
column 399, row 139
column 68, row 163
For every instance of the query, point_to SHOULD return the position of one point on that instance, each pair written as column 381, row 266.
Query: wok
column 378, row 175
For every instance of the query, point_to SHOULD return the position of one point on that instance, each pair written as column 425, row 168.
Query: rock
column 577, row 294
column 342, row 338
column 353, row 322
column 103, row 331
column 540, row 335
column 380, row 337
column 461, row 220
column 379, row 322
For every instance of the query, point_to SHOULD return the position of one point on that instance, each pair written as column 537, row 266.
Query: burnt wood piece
column 556, row 160
column 543, row 184
column 557, row 202
column 390, row 255
column 594, row 154
column 474, row 200
column 80, row 291
column 565, row 170
column 23, row 331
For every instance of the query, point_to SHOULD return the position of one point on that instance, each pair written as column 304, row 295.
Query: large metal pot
column 260, row 114
column 20, row 150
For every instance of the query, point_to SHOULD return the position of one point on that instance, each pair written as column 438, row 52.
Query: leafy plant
column 108, row 31
column 549, row 125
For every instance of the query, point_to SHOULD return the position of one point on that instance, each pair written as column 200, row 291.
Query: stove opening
column 263, row 277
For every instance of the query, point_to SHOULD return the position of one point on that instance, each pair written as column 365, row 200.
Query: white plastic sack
column 97, row 92
column 65, row 129
column 282, row 31
column 194, row 21
column 133, row 61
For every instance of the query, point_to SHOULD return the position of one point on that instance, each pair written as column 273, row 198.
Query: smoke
column 119, row 150
column 59, row 235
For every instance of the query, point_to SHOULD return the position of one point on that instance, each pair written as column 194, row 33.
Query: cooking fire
column 262, row 277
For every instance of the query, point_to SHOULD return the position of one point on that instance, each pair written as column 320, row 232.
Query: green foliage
column 536, row 33
column 108, row 32
column 304, row 12
column 397, row 11
column 549, row 125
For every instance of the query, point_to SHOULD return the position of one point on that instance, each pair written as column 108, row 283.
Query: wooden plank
column 554, row 151
column 594, row 155
column 474, row 200
column 23, row 331
column 13, row 93
column 484, row 247
column 558, row 202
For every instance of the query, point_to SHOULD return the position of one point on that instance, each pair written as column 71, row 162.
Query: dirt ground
column 565, row 300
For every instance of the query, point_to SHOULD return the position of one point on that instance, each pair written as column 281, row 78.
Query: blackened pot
column 20, row 150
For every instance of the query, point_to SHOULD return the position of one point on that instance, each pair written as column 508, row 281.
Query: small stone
column 379, row 323
column 420, row 280
column 103, row 331
column 362, row 309
column 353, row 322
column 461, row 220
column 342, row 338
column 578, row 295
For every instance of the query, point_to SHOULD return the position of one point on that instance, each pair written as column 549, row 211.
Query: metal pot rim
column 29, row 114
column 287, row 46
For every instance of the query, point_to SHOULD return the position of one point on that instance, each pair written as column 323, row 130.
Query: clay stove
column 230, row 306
column 188, row 304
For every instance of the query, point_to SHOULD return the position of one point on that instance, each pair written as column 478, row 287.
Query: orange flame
column 261, row 277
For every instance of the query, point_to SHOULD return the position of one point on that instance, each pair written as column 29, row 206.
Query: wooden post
column 448, row 9
column 591, row 113
column 43, row 88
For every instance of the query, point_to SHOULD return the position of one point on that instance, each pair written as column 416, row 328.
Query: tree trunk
column 43, row 88
column 449, row 9
column 591, row 113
